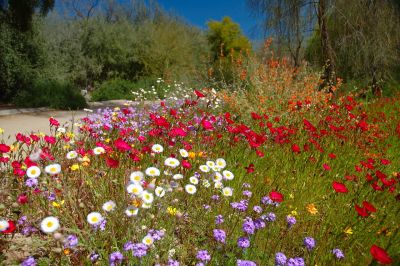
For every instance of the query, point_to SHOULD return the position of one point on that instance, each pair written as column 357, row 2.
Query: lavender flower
column 30, row 261
column 309, row 242
column 51, row 197
column 247, row 193
column 128, row 246
column 290, row 221
column 338, row 253
column 257, row 209
column 248, row 226
column 296, row 262
column 246, row 185
column 219, row 219
column 203, row 255
column 156, row 234
column 31, row 182
column 22, row 220
column 215, row 197
column 280, row 259
column 259, row 223
column 243, row 242
column 206, row 207
column 71, row 241
column 245, row 263
column 271, row 217
column 139, row 250
column 172, row 262
column 219, row 235
column 241, row 205
column 115, row 258
column 94, row 256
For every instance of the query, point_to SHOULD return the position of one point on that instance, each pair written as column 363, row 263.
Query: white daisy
column 135, row 189
column 146, row 205
column 190, row 189
column 99, row 150
column 147, row 197
column 109, row 206
column 218, row 184
column 183, row 153
column 49, row 224
column 136, row 176
column 210, row 164
column 131, row 211
column 148, row 240
column 53, row 169
column 177, row 176
column 171, row 162
column 94, row 218
column 160, row 192
column 61, row 130
column 204, row 168
column 215, row 168
column 33, row 172
column 157, row 148
column 217, row 177
column 206, row 183
column 228, row 175
column 227, row 191
column 3, row 225
column 152, row 171
column 194, row 180
column 221, row 163
column 72, row 155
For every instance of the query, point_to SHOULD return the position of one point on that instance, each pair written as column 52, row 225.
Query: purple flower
column 245, row 263
column 115, row 258
column 31, row 182
column 243, row 242
column 309, row 242
column 206, row 207
column 259, row 223
column 30, row 261
column 139, row 250
column 290, row 221
column 22, row 220
column 94, row 256
column 338, row 253
column 280, row 259
column 219, row 219
column 51, row 197
column 247, row 193
column 271, row 217
column 257, row 209
column 246, row 185
column 241, row 205
column 156, row 234
column 248, row 226
column 266, row 200
column 71, row 241
column 215, row 197
column 295, row 262
column 128, row 246
column 200, row 264
column 219, row 235
column 172, row 262
column 203, row 255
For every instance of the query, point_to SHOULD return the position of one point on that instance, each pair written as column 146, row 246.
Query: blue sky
column 198, row 12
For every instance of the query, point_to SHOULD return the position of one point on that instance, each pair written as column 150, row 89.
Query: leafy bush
column 51, row 93
column 114, row 89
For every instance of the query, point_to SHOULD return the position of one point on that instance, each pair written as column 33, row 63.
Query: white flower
column 53, row 169
column 146, row 205
column 194, row 180
column 61, row 130
column 94, row 218
column 131, row 211
column 157, row 148
column 228, row 175
column 206, row 183
column 49, row 224
column 190, row 189
column 217, row 177
column 147, row 197
column 109, row 206
column 210, row 164
column 171, row 162
column 160, row 192
column 215, row 168
column 177, row 176
column 134, row 188
column 218, row 184
column 3, row 225
column 33, row 172
column 221, row 163
column 148, row 240
column 99, row 150
column 136, row 176
column 183, row 153
column 204, row 168
column 34, row 157
column 227, row 191
column 152, row 171
column 72, row 155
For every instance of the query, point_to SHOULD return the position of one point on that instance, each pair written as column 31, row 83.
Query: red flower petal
column 361, row 211
column 339, row 187
column 369, row 206
column 380, row 255
column 276, row 196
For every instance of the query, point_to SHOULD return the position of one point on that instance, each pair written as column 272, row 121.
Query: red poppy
column 276, row 196
column 186, row 164
column 259, row 153
column 296, row 148
column 332, row 156
column 207, row 125
column 10, row 229
column 361, row 211
column 121, row 145
column 50, row 139
column 53, row 122
column 4, row 148
column 256, row 116
column 112, row 163
column 380, row 255
column 22, row 199
column 339, row 187
column 199, row 94
column 369, row 207
column 385, row 161
column 250, row 168
column 326, row 167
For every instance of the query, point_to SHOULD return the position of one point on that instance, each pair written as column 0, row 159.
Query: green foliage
column 114, row 89
column 51, row 93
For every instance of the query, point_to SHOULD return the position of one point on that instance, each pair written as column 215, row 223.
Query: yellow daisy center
column 95, row 219
column 49, row 224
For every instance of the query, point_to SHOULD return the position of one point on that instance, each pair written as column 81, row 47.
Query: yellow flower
column 66, row 147
column 294, row 213
column 74, row 167
column 201, row 154
column 312, row 209
column 192, row 155
column 70, row 135
column 348, row 231
column 58, row 205
column 291, row 196
column 1, row 131
column 107, row 140
column 172, row 211
column 41, row 134
column 14, row 147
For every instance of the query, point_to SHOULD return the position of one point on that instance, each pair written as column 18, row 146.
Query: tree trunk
column 329, row 76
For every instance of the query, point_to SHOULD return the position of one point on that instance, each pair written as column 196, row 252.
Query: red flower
column 207, row 125
column 296, row 148
column 50, row 139
column 186, row 164
column 121, row 145
column 199, row 94
column 369, row 207
column 332, row 156
column 10, row 229
column 112, row 163
column 22, row 199
column 4, row 148
column 339, row 187
column 326, row 167
column 259, row 153
column 380, row 255
column 385, row 161
column 250, row 168
column 276, row 196
column 256, row 116
column 54, row 122
column 361, row 211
